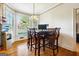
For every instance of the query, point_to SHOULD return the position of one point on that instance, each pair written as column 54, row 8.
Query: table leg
column 38, row 47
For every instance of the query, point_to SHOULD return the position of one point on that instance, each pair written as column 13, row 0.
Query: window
column 9, row 18
column 22, row 24
column 9, row 24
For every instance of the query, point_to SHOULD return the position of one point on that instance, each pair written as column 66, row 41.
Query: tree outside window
column 24, row 23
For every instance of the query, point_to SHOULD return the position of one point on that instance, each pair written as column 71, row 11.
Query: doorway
column 77, row 29
column 77, row 25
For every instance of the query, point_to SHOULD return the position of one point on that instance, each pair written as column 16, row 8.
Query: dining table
column 43, row 35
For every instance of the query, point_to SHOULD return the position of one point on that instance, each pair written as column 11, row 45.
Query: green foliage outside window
column 24, row 22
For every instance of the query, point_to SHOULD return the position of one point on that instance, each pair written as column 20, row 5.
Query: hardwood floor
column 77, row 49
column 20, row 49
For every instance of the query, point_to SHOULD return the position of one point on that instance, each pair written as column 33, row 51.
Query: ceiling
column 28, row 7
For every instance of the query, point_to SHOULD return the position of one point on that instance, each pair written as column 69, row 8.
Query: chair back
column 31, row 32
column 54, row 33
column 57, row 32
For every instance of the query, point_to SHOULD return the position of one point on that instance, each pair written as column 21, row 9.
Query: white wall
column 62, row 16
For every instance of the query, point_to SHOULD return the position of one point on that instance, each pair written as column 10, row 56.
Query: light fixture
column 34, row 17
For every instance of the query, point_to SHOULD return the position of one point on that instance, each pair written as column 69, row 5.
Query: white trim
column 52, row 8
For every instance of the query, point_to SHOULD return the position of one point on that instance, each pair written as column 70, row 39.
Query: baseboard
column 74, row 52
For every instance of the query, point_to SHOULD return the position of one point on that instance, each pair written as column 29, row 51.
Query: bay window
column 18, row 23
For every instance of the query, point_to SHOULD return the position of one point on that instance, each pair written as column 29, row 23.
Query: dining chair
column 32, row 39
column 36, row 40
column 53, row 40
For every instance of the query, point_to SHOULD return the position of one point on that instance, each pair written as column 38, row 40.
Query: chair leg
column 53, row 47
column 28, row 43
column 35, row 46
column 31, row 45
column 38, row 47
column 53, row 52
column 57, row 46
column 49, row 45
column 35, row 51
column 43, row 44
